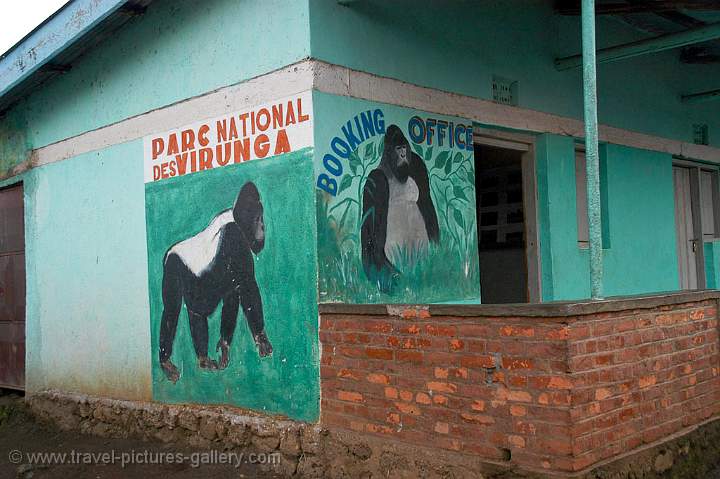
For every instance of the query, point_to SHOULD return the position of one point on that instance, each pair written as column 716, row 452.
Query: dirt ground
column 20, row 432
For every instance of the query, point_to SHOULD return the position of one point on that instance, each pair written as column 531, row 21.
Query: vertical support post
column 592, row 149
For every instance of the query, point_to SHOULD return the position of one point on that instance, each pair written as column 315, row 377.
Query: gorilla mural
column 397, row 207
column 215, row 265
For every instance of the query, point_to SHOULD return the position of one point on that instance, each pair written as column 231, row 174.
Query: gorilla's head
column 248, row 214
column 396, row 154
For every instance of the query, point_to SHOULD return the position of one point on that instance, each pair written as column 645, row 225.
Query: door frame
column 524, row 143
column 695, row 168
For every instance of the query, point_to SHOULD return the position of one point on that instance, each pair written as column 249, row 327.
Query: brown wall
column 557, row 387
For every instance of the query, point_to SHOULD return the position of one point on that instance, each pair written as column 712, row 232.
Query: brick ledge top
column 551, row 309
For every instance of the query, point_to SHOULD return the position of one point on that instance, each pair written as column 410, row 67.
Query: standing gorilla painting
column 215, row 265
column 399, row 215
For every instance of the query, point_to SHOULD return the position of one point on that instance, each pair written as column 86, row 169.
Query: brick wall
column 640, row 376
column 559, row 392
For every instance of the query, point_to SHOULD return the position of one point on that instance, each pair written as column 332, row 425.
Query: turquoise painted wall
column 639, row 227
column 712, row 264
column 177, row 50
column 458, row 45
column 87, row 312
column 641, row 222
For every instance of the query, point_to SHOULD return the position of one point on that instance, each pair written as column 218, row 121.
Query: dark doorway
column 501, row 225
column 12, row 288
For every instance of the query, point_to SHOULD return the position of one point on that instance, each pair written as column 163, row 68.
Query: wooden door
column 12, row 288
column 687, row 241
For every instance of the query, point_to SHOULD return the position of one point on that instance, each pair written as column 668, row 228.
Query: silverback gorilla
column 397, row 208
column 212, row 266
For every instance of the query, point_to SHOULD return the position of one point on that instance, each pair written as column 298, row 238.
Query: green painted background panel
column 458, row 45
column 87, row 311
column 638, row 216
column 449, row 270
column 286, row 272
column 176, row 50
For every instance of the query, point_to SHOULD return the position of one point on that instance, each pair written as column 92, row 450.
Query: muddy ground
column 19, row 431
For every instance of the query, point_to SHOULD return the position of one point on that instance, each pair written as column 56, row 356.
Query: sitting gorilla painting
column 215, row 265
column 397, row 207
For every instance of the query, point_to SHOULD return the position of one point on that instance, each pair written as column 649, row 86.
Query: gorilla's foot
column 263, row 344
column 224, row 349
column 205, row 362
column 171, row 372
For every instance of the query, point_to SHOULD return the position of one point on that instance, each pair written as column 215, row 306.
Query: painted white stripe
column 281, row 83
column 339, row 80
column 198, row 252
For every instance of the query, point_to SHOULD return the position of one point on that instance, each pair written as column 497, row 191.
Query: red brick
column 441, row 387
column 442, row 428
column 558, row 382
column 376, row 353
column 647, row 381
column 393, row 417
column 377, row 327
column 477, row 361
column 411, row 329
column 406, row 395
column 440, row 330
column 527, row 332
column 374, row 428
column 349, row 374
column 517, row 363
column 378, row 378
column 558, row 334
column 409, row 356
column 408, row 408
column 350, row 396
column 440, row 399
column 478, row 418
column 519, row 396
column 461, row 373
column 517, row 441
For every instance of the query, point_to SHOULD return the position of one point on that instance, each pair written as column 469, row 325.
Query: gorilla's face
column 401, row 155
column 401, row 162
column 258, row 229
column 248, row 214
column 396, row 154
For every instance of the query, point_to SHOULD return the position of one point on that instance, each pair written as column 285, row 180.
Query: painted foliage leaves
column 446, row 270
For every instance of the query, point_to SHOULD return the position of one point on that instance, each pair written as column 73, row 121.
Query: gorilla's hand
column 224, row 349
column 205, row 362
column 171, row 372
column 263, row 344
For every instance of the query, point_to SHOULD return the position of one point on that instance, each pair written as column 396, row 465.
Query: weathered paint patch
column 14, row 143
column 86, row 276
